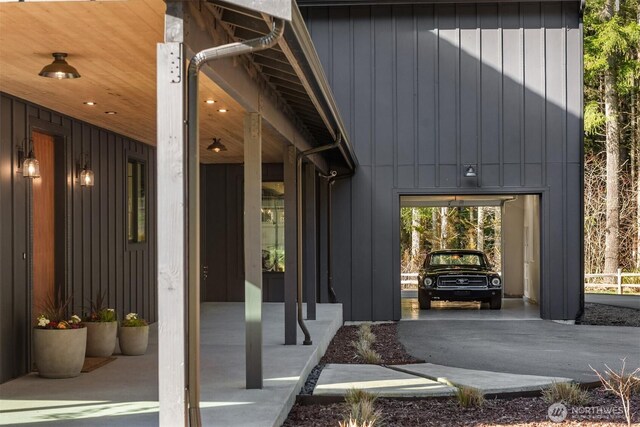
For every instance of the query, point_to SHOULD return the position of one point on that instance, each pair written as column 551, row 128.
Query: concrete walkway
column 626, row 301
column 539, row 347
column 125, row 392
column 423, row 380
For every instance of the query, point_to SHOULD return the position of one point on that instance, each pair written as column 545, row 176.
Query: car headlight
column 495, row 281
column 427, row 281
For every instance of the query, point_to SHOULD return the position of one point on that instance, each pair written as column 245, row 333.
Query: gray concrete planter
column 101, row 338
column 59, row 353
column 133, row 340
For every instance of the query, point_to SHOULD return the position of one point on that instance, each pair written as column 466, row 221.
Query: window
column 273, row 226
column 136, row 201
column 457, row 259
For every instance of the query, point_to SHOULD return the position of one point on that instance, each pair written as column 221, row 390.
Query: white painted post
column 253, row 248
column 619, row 281
column 171, row 220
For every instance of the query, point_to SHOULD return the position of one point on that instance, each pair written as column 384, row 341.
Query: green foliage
column 98, row 311
column 132, row 320
column 610, row 45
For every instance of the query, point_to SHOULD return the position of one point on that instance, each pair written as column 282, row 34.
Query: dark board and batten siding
column 99, row 257
column 425, row 89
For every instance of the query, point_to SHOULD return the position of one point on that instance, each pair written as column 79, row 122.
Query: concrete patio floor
column 125, row 392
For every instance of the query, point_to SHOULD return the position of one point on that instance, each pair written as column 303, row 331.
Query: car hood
column 458, row 271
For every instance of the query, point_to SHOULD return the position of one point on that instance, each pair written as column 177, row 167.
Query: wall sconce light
column 59, row 68
column 216, row 146
column 470, row 171
column 30, row 165
column 86, row 175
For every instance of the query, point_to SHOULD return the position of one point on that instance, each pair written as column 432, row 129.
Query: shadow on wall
column 427, row 89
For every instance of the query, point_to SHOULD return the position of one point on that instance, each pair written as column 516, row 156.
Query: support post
column 310, row 258
column 253, row 248
column 172, row 238
column 290, row 241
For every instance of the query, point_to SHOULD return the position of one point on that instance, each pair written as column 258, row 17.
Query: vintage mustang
column 458, row 275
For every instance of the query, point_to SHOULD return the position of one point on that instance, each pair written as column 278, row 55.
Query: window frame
column 134, row 244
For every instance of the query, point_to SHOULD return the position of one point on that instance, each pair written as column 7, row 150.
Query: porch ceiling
column 113, row 46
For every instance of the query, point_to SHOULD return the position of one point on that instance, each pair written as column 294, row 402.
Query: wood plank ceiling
column 113, row 47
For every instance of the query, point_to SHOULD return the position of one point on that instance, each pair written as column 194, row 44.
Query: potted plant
column 102, row 329
column 58, row 343
column 134, row 335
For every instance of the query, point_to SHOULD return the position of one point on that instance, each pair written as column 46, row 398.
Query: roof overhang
column 293, row 72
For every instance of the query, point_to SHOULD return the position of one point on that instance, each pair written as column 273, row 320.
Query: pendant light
column 59, row 68
column 216, row 146
column 86, row 176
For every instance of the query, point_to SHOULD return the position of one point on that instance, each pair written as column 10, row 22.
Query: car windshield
column 457, row 259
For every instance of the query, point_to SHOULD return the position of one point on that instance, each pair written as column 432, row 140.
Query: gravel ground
column 530, row 411
column 387, row 345
column 608, row 315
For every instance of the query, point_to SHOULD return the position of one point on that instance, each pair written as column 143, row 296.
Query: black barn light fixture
column 216, row 146
column 59, row 68
column 470, row 171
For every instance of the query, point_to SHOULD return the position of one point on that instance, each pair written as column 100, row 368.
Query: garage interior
column 518, row 259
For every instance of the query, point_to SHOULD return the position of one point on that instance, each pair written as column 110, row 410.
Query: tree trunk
column 415, row 235
column 613, row 166
column 611, row 244
column 635, row 146
column 480, row 229
column 443, row 228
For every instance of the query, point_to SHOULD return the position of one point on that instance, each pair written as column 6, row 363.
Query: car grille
column 457, row 281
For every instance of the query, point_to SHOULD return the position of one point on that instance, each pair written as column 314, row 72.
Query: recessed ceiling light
column 110, row 112
column 90, row 103
column 222, row 110
column 210, row 101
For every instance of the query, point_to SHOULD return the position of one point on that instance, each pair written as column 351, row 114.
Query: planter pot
column 101, row 338
column 133, row 340
column 59, row 353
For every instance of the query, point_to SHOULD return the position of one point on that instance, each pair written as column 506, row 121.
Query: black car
column 458, row 275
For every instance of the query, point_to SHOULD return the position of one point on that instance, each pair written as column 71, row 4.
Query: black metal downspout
column 300, row 157
column 193, row 181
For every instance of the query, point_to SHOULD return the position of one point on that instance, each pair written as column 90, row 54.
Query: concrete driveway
column 525, row 347
column 627, row 301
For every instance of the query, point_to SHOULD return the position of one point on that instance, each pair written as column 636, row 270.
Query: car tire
column 424, row 301
column 495, row 303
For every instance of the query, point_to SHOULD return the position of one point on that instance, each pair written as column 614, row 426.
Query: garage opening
column 470, row 256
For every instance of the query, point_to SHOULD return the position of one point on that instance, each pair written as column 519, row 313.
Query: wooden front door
column 43, row 222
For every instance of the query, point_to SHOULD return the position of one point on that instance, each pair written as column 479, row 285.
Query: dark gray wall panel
column 361, row 225
column 96, row 227
column 429, row 88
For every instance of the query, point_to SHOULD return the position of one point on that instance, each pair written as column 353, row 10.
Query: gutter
column 193, row 205
column 307, row 58
column 300, row 157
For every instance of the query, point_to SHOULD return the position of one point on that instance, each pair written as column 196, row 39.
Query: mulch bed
column 386, row 345
column 608, row 315
column 529, row 411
